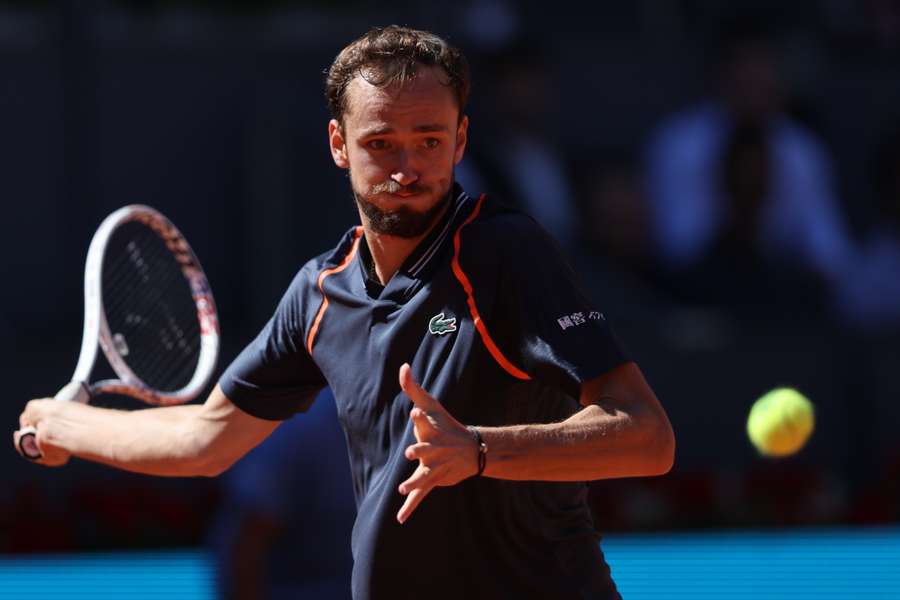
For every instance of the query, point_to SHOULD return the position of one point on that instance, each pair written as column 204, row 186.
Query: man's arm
column 622, row 431
column 197, row 439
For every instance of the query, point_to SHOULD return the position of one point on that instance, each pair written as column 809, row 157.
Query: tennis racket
column 149, row 308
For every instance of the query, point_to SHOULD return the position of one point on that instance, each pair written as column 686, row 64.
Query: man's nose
column 404, row 172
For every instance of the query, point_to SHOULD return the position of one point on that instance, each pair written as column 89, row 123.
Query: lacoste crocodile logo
column 438, row 325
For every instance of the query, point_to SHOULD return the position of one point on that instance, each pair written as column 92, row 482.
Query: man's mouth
column 406, row 193
column 395, row 189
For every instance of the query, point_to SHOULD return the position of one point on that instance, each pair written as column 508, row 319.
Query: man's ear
column 338, row 144
column 462, row 137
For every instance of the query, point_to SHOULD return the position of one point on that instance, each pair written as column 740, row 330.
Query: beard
column 403, row 221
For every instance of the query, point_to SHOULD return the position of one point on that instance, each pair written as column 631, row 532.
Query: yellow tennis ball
column 780, row 422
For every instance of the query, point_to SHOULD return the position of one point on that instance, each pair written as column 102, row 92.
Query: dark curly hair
column 390, row 55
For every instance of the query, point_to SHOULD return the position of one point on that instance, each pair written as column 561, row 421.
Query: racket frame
column 96, row 333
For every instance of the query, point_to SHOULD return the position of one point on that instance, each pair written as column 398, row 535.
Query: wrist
column 481, row 448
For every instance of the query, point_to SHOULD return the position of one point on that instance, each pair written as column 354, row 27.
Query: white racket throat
column 74, row 391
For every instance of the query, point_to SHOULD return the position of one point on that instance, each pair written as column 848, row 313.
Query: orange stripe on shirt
column 476, row 317
column 357, row 234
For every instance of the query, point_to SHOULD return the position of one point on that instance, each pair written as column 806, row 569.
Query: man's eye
column 432, row 142
column 376, row 144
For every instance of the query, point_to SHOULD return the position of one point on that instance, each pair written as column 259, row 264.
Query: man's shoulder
column 505, row 234
column 336, row 255
column 498, row 223
column 330, row 259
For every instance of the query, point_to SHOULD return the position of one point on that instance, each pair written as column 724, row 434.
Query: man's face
column 400, row 145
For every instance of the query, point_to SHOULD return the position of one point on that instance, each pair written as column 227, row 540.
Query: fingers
column 420, row 451
column 25, row 426
column 412, row 502
column 423, row 427
column 411, row 388
column 23, row 419
column 436, row 432
column 38, row 450
column 415, row 489
column 34, row 411
column 26, row 443
column 415, row 497
column 34, row 423
column 421, row 478
column 28, row 420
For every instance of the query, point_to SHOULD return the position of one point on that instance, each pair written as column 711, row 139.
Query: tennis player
column 479, row 389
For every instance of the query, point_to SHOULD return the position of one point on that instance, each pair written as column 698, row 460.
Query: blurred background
column 724, row 176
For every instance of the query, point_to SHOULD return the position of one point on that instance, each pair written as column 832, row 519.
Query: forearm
column 174, row 440
column 594, row 443
column 623, row 431
column 154, row 441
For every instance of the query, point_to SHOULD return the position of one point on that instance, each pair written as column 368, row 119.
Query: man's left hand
column 447, row 452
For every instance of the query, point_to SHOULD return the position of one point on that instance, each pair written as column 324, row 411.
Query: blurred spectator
column 490, row 24
column 884, row 17
column 616, row 213
column 615, row 259
column 735, row 181
column 514, row 158
column 284, row 527
column 874, row 24
column 869, row 297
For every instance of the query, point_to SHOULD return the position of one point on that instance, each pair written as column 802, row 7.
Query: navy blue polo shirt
column 494, row 326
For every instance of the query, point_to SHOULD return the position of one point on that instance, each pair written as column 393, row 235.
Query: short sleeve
column 274, row 377
column 543, row 317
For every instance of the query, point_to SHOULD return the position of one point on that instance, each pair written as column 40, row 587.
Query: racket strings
column 122, row 272
column 165, row 356
column 157, row 298
column 170, row 366
column 158, row 294
column 164, row 287
column 150, row 308
column 172, row 345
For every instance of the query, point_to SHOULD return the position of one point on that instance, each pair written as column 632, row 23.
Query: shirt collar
column 416, row 264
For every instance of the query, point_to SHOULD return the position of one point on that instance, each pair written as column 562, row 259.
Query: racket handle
column 28, row 443
column 74, row 391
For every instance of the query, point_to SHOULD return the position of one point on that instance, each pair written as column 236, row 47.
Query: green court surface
column 796, row 565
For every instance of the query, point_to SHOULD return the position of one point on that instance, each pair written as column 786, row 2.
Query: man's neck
column 389, row 251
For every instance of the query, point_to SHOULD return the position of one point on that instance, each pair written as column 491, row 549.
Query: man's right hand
column 38, row 414
column 186, row 440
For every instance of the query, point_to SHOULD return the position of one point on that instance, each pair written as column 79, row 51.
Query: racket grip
column 74, row 391
column 28, row 443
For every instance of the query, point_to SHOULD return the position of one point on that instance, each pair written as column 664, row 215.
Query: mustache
column 392, row 187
